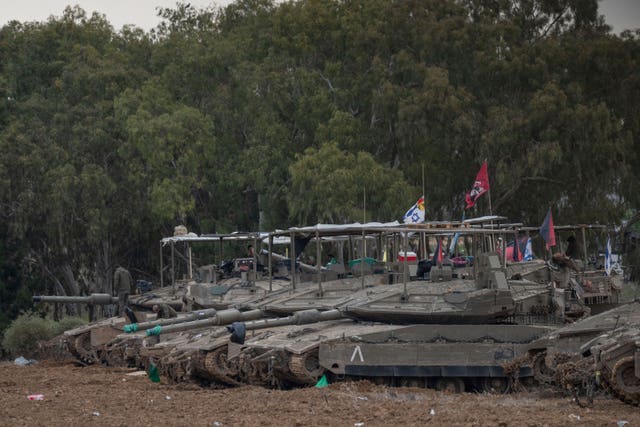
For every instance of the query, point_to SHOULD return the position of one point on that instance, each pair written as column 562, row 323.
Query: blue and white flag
column 607, row 257
column 454, row 241
column 416, row 214
column 528, row 253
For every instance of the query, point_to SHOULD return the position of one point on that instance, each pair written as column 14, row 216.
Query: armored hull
column 564, row 343
column 446, row 357
column 617, row 361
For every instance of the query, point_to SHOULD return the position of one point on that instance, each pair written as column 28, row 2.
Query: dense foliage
column 28, row 330
column 263, row 115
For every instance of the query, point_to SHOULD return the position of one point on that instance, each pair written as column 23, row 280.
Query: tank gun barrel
column 303, row 317
column 222, row 317
column 238, row 329
column 190, row 317
column 93, row 299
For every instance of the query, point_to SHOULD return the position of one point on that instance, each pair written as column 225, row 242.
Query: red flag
column 437, row 255
column 480, row 187
column 547, row 231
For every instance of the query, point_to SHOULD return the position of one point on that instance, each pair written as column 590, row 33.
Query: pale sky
column 621, row 14
column 141, row 13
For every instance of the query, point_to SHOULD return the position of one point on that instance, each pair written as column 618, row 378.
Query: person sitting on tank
column 424, row 268
column 564, row 261
column 164, row 311
column 187, row 303
column 574, row 251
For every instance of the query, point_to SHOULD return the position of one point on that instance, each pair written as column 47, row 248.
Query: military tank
column 563, row 344
column 580, row 363
column 578, row 263
column 617, row 362
column 85, row 342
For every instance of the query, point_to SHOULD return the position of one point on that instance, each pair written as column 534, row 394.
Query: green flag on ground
column 322, row 382
column 153, row 373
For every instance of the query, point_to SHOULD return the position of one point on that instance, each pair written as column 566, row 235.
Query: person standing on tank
column 122, row 285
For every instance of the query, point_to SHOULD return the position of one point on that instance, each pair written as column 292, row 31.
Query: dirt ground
column 98, row 395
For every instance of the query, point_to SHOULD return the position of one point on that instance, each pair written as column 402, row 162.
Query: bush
column 22, row 336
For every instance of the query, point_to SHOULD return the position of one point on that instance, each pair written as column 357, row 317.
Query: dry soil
column 98, row 395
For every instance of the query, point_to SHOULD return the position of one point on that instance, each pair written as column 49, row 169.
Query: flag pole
column 491, row 214
column 425, row 252
column 489, row 192
column 422, row 179
column 364, row 219
column 364, row 240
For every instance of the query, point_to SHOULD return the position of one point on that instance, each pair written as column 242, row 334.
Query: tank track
column 546, row 373
column 214, row 366
column 511, row 381
column 115, row 355
column 305, row 368
column 542, row 373
column 177, row 368
column 578, row 377
column 82, row 350
column 623, row 382
column 256, row 370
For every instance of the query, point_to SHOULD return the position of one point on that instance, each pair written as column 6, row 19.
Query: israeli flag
column 528, row 252
column 607, row 257
column 416, row 213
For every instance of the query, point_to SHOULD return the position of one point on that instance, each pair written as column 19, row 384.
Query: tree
column 330, row 185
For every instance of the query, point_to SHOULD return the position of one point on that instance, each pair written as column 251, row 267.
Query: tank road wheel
column 499, row 385
column 85, row 352
column 450, row 385
column 624, row 380
column 114, row 356
column 256, row 372
column 306, row 367
column 219, row 367
column 178, row 371
column 541, row 371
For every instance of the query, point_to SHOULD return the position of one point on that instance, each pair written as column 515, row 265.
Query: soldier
column 187, row 304
column 164, row 311
column 122, row 284
column 574, row 250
